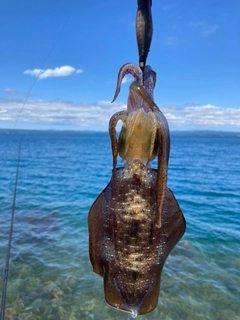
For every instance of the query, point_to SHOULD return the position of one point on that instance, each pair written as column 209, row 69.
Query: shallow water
column 61, row 175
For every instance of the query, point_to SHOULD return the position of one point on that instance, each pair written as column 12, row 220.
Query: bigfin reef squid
column 136, row 221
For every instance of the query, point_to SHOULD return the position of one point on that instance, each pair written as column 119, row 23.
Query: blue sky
column 80, row 46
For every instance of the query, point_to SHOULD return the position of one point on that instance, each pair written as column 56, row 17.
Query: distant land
column 174, row 133
column 52, row 131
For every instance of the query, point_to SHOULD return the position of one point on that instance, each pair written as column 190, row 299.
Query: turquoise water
column 60, row 176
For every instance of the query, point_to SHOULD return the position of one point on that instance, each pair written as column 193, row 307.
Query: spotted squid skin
column 126, row 247
column 135, row 248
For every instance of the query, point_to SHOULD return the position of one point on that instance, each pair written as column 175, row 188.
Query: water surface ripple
column 61, row 175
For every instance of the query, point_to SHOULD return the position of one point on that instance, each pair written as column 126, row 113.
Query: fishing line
column 40, row 72
column 10, row 239
column 5, row 278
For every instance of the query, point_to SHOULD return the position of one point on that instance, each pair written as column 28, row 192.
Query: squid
column 136, row 221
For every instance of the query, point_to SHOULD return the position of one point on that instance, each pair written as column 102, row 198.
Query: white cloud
column 210, row 29
column 53, row 113
column 206, row 29
column 126, row 79
column 11, row 92
column 96, row 115
column 57, row 72
column 171, row 41
column 205, row 117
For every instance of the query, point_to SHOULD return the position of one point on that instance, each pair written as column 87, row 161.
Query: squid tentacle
column 127, row 68
column 142, row 92
column 163, row 137
column 121, row 115
column 149, row 80
column 162, row 172
column 145, row 96
column 141, row 96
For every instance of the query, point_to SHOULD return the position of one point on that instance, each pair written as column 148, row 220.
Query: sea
column 62, row 173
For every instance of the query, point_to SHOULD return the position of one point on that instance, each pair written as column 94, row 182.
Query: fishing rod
column 5, row 278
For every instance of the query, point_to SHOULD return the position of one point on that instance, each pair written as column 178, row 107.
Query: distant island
column 174, row 132
column 50, row 131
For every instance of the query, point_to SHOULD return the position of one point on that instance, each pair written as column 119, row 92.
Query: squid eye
column 122, row 140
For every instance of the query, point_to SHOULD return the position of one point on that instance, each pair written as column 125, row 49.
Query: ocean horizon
column 172, row 132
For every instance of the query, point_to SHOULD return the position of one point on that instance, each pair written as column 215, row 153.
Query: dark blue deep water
column 61, row 175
